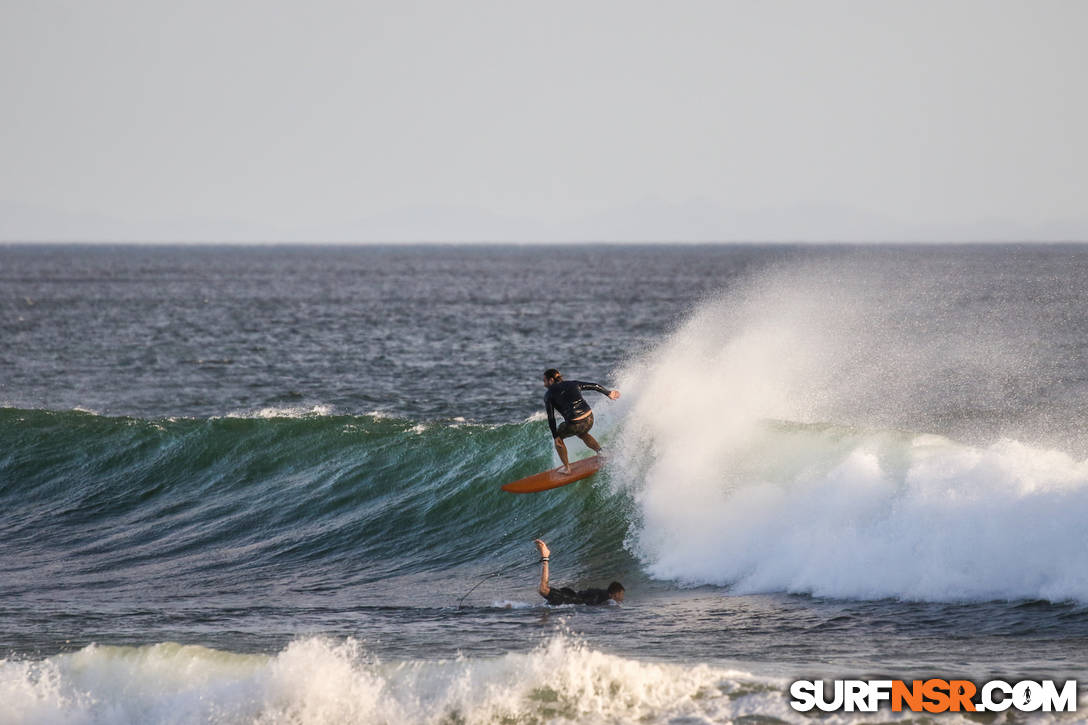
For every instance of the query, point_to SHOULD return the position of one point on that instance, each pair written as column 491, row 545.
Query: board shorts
column 568, row 429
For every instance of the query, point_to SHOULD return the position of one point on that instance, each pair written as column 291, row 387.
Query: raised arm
column 613, row 394
column 544, row 589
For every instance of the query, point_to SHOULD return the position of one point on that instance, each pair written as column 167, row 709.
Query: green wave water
column 361, row 498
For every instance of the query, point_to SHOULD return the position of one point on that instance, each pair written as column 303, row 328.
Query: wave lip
column 272, row 412
column 317, row 680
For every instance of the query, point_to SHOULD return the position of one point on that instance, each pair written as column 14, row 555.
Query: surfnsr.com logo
column 934, row 696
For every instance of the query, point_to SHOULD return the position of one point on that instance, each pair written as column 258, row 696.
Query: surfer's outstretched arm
column 544, row 589
column 613, row 394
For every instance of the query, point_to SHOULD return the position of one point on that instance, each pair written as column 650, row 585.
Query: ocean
column 261, row 484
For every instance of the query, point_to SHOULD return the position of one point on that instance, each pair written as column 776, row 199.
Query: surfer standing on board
column 566, row 595
column 566, row 396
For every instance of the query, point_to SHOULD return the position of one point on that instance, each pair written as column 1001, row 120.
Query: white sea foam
column 725, row 495
column 872, row 515
column 321, row 681
column 89, row 411
column 286, row 411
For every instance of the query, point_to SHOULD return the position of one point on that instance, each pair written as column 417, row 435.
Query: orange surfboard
column 550, row 479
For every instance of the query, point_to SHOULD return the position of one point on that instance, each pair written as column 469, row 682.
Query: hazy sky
column 728, row 120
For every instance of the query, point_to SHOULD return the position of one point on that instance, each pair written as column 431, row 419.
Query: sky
column 733, row 120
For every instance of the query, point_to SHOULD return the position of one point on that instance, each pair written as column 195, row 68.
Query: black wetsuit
column 566, row 397
column 566, row 595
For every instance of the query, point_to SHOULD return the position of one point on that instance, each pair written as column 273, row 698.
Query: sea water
column 260, row 484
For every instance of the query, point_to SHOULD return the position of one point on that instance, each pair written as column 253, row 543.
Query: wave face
column 315, row 501
column 848, row 439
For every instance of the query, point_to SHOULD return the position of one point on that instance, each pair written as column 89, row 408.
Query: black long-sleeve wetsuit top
column 566, row 397
column 566, row 595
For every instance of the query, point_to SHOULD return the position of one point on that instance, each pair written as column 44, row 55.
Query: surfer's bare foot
column 563, row 470
column 542, row 547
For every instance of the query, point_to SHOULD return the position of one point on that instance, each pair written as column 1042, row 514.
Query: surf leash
column 461, row 601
